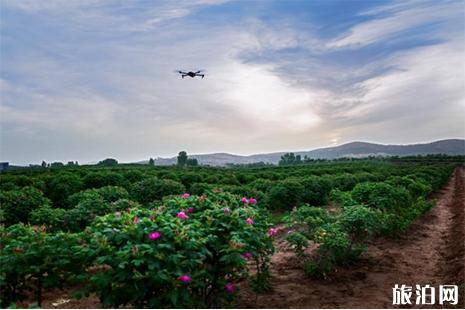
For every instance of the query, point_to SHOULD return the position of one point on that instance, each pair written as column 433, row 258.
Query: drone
column 191, row 73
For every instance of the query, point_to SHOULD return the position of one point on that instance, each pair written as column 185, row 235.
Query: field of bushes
column 170, row 237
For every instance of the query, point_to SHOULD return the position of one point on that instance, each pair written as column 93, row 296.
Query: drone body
column 192, row 74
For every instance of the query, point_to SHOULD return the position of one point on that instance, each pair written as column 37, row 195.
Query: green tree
column 151, row 162
column 182, row 159
column 290, row 159
column 108, row 162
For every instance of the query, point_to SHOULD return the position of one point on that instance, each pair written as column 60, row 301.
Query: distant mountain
column 353, row 149
column 363, row 149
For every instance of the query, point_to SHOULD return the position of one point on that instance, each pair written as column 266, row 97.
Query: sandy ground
column 431, row 252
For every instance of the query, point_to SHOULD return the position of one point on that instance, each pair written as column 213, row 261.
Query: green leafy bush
column 107, row 193
column 103, row 178
column 260, row 197
column 341, row 198
column 18, row 204
column 33, row 260
column 360, row 222
column 188, row 179
column 340, row 238
column 284, row 195
column 89, row 207
column 416, row 187
column 344, row 182
column 124, row 205
column 396, row 223
column 132, row 176
column 307, row 219
column 153, row 189
column 365, row 177
column 201, row 188
column 11, row 182
column 334, row 249
column 316, row 190
column 298, row 243
column 61, row 186
column 381, row 195
column 113, row 193
column 262, row 185
column 52, row 218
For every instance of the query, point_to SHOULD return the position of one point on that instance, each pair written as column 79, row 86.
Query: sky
column 89, row 79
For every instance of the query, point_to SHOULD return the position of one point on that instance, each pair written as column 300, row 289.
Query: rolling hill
column 352, row 149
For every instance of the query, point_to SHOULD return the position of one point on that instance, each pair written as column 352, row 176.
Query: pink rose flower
column 226, row 211
column 190, row 210
column 154, row 235
column 186, row 195
column 249, row 221
column 245, row 200
column 247, row 255
column 182, row 215
column 253, row 201
column 229, row 288
column 184, row 278
column 273, row 232
column 135, row 220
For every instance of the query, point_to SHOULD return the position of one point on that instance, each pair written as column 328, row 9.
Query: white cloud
column 428, row 79
column 101, row 15
column 396, row 19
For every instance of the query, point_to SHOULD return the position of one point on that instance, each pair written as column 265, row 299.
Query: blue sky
column 86, row 80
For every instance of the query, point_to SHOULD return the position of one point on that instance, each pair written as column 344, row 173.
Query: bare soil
column 431, row 252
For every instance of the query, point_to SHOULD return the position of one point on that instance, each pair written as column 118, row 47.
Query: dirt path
column 431, row 252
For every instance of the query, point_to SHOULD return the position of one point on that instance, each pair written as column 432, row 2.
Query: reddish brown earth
column 431, row 252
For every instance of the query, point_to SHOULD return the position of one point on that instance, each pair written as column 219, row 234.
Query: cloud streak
column 393, row 20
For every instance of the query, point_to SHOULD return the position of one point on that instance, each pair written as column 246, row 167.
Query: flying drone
column 191, row 73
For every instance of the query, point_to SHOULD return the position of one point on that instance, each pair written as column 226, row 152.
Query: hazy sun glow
column 265, row 99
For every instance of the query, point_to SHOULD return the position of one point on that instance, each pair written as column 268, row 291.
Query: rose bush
column 187, row 252
column 33, row 260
